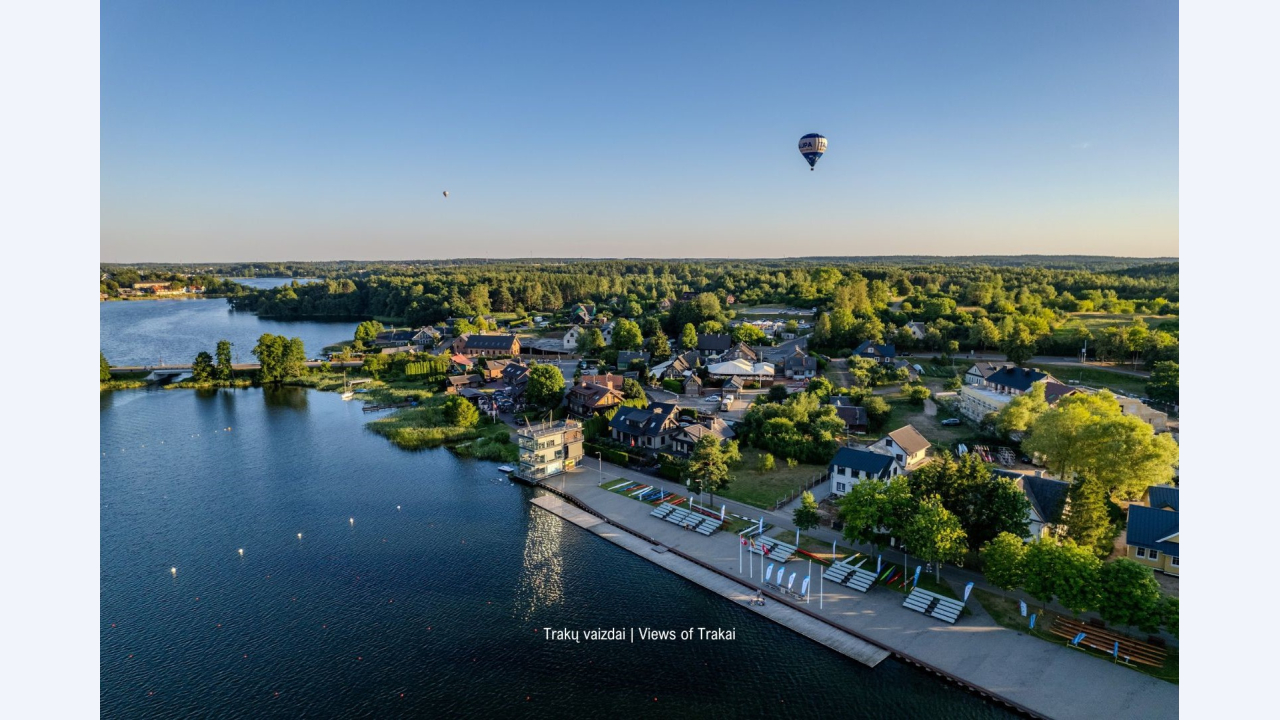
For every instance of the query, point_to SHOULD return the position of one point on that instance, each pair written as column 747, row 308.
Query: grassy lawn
column 1095, row 322
column 1099, row 378
column 763, row 489
column 1005, row 611
column 904, row 412
column 425, row 426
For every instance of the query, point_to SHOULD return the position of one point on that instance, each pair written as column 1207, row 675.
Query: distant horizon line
column 1153, row 258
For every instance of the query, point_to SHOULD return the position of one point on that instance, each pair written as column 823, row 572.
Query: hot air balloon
column 446, row 192
column 811, row 147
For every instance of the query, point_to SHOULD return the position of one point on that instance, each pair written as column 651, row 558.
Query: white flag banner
column 804, row 587
column 1023, row 603
column 967, row 588
column 791, row 581
column 721, row 513
column 768, row 573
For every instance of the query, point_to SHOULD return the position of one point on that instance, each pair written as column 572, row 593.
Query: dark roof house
column 709, row 345
column 860, row 460
column 879, row 353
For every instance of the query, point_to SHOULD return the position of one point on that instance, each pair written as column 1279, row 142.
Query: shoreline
column 1034, row 678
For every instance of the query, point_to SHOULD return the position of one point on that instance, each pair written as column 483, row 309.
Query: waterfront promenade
column 1045, row 677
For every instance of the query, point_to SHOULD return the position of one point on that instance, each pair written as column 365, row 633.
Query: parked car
column 951, row 422
column 713, row 398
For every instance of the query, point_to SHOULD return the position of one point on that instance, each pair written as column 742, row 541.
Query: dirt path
column 930, row 408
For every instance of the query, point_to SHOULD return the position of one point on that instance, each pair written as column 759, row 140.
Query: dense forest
column 1017, row 305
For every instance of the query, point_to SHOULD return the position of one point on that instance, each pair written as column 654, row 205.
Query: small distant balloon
column 811, row 147
column 446, row 193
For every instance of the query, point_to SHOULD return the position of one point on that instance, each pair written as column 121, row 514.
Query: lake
column 420, row 585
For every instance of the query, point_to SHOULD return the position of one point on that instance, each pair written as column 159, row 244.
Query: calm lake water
column 143, row 332
column 431, row 603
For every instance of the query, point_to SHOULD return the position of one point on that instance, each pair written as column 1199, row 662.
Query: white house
column 571, row 338
column 906, row 445
column 852, row 465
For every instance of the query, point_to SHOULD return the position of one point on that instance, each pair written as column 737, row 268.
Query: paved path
column 816, row 630
column 1046, row 677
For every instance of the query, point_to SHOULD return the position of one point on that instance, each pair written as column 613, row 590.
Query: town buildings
column 549, row 449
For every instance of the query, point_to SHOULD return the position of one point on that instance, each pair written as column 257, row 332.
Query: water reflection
column 285, row 397
column 542, row 572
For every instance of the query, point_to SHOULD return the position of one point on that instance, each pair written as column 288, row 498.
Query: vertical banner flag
column 1115, row 651
column 1033, row 622
column 797, row 537
column 967, row 589
column 762, row 525
column 804, row 587
column 791, row 581
column 1077, row 639
column 833, row 552
column 1023, row 607
column 768, row 573
column 915, row 579
column 878, row 559
column 721, row 513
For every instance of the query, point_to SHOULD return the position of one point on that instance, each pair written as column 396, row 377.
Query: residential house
column 425, row 337
column 460, row 363
column 665, row 304
column 650, row 428
column 712, row 346
column 692, row 385
column 680, row 366
column 688, row 296
column 548, row 450
column 1151, row 536
column 884, row 354
column 729, row 299
column 626, row 357
column 907, row 446
column 688, row 435
column 1046, row 497
column 492, row 371
column 852, row 465
column 987, row 391
column 913, row 371
column 734, row 385
column 587, row 399
column 917, row 329
column 741, row 351
column 569, row 338
column 486, row 345
column 606, row 331
column 455, row 383
column 978, row 374
column 394, row 338
column 582, row 314
column 853, row 416
column 800, row 364
column 515, row 375
column 1158, row 420
column 607, row 379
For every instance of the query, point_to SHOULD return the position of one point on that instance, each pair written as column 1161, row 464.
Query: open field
column 1099, row 378
column 1095, row 322
column 763, row 489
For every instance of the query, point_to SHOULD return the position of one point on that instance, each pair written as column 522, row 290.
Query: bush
column 766, row 463
column 672, row 386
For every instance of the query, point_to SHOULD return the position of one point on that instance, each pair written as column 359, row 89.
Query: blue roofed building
column 1152, row 533
column 852, row 465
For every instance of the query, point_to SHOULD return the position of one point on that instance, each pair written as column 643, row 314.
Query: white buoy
column 241, row 552
column 351, row 520
column 397, row 507
column 173, row 571
column 299, row 536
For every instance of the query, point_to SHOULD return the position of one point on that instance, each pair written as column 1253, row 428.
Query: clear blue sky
column 269, row 130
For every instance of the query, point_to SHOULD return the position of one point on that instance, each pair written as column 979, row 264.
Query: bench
column 860, row 580
column 662, row 511
column 1104, row 641
column 934, row 605
column 708, row 527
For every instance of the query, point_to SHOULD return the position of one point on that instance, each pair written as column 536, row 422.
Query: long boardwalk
column 816, row 630
column 1046, row 678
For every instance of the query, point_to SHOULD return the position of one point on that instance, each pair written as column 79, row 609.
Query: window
column 1173, row 560
column 1142, row 552
column 840, row 487
column 1153, row 555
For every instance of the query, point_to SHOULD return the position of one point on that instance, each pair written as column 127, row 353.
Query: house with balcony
column 884, row 354
column 1151, row 535
column 651, row 428
column 588, row 399
column 548, row 449
column 988, row 389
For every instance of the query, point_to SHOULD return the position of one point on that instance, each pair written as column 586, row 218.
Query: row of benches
column 944, row 608
column 844, row 573
column 778, row 551
column 686, row 518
